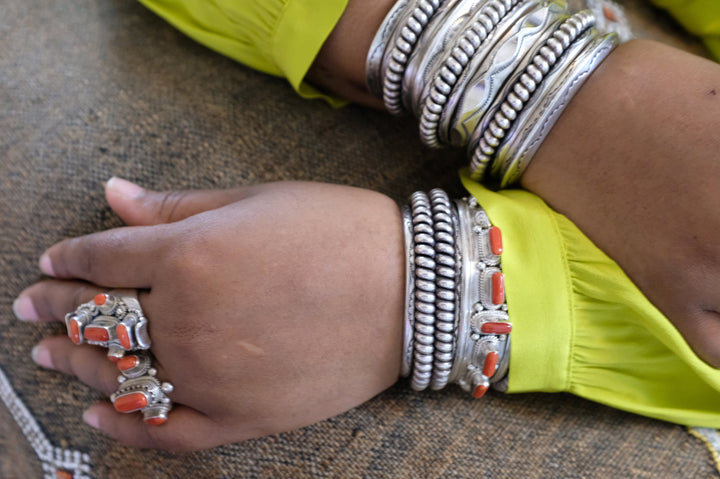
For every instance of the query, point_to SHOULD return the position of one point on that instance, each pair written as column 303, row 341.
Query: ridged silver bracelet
column 488, row 136
column 482, row 81
column 424, row 287
column 447, row 270
column 402, row 43
column 462, row 50
column 538, row 117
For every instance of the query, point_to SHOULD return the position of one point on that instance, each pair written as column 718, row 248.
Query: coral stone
column 498, row 288
column 100, row 299
column 480, row 391
column 155, row 421
column 131, row 402
column 74, row 331
column 123, row 335
column 496, row 244
column 491, row 361
column 128, row 362
column 64, row 475
column 496, row 328
column 96, row 333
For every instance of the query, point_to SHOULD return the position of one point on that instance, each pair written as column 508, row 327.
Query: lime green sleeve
column 279, row 37
column 699, row 17
column 581, row 326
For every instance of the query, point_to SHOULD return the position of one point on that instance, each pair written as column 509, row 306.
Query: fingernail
column 46, row 265
column 24, row 309
column 124, row 188
column 91, row 418
column 41, row 355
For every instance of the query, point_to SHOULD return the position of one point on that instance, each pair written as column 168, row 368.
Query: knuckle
column 169, row 205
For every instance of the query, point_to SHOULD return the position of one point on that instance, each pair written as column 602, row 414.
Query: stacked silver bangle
column 456, row 323
column 492, row 76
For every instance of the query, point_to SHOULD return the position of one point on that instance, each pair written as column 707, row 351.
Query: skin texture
column 633, row 162
column 271, row 307
column 275, row 306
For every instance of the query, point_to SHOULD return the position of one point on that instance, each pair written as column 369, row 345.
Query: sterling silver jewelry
column 539, row 115
column 402, row 43
column 496, row 60
column 141, row 391
column 424, row 324
column 461, row 51
column 498, row 120
column 114, row 321
column 373, row 65
column 432, row 48
column 408, row 326
column 484, row 327
column 446, row 294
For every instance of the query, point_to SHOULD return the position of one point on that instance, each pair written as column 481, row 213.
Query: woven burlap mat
column 94, row 89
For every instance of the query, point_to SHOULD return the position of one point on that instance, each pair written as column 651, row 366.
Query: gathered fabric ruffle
column 580, row 325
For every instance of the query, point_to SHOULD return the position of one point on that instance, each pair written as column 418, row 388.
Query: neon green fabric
column 279, row 37
column 581, row 326
column 699, row 17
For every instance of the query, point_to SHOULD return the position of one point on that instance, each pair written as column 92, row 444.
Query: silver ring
column 115, row 320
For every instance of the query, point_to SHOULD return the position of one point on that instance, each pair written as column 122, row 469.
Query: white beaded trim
column 54, row 459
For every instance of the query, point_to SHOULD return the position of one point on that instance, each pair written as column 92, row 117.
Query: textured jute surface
column 94, row 89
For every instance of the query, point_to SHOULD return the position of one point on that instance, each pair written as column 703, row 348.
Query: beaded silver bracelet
column 447, row 270
column 491, row 132
column 402, row 43
column 465, row 338
column 424, row 287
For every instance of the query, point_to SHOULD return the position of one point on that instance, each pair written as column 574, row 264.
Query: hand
column 270, row 307
column 633, row 162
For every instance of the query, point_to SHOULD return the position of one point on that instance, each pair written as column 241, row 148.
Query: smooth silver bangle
column 462, row 50
column 497, row 120
column 545, row 107
column 409, row 320
column 446, row 294
column 402, row 43
column 483, row 79
column 424, row 314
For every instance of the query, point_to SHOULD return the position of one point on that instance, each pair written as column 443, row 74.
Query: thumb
column 137, row 206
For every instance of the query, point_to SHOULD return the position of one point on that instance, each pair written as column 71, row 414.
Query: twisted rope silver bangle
column 424, row 314
column 409, row 319
column 480, row 84
column 402, row 44
column 545, row 107
column 490, row 134
column 446, row 295
column 462, row 51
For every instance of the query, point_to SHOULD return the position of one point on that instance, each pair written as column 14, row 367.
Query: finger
column 52, row 299
column 185, row 430
column 138, row 206
column 120, row 258
column 88, row 363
